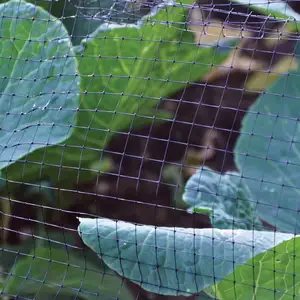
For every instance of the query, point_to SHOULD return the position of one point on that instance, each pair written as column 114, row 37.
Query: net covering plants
column 149, row 150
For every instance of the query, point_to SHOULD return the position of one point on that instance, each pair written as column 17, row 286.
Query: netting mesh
column 149, row 150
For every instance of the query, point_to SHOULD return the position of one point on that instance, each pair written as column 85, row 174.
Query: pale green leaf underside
column 146, row 255
column 39, row 87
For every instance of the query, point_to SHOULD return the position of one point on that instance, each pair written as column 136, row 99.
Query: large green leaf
column 39, row 87
column 224, row 195
column 268, row 154
column 173, row 261
column 124, row 71
column 270, row 275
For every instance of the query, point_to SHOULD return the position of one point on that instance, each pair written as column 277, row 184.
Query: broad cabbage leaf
column 173, row 261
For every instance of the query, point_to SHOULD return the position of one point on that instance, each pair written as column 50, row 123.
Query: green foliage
column 166, row 261
column 224, row 195
column 51, row 270
column 39, row 93
column 124, row 72
column 173, row 261
column 273, row 274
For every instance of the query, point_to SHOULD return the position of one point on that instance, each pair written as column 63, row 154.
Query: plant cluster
column 62, row 103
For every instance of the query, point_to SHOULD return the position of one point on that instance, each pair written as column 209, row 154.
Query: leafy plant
column 185, row 261
column 51, row 67
column 115, row 67
column 176, row 261
column 124, row 71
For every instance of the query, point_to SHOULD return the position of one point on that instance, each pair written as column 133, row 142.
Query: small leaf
column 173, row 261
column 224, row 196
column 270, row 275
column 39, row 87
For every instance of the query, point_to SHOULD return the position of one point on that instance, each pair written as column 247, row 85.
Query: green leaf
column 267, row 154
column 39, row 87
column 270, row 275
column 173, row 261
column 224, row 196
column 59, row 272
column 125, row 71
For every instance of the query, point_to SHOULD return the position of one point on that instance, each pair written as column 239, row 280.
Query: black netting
column 149, row 150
